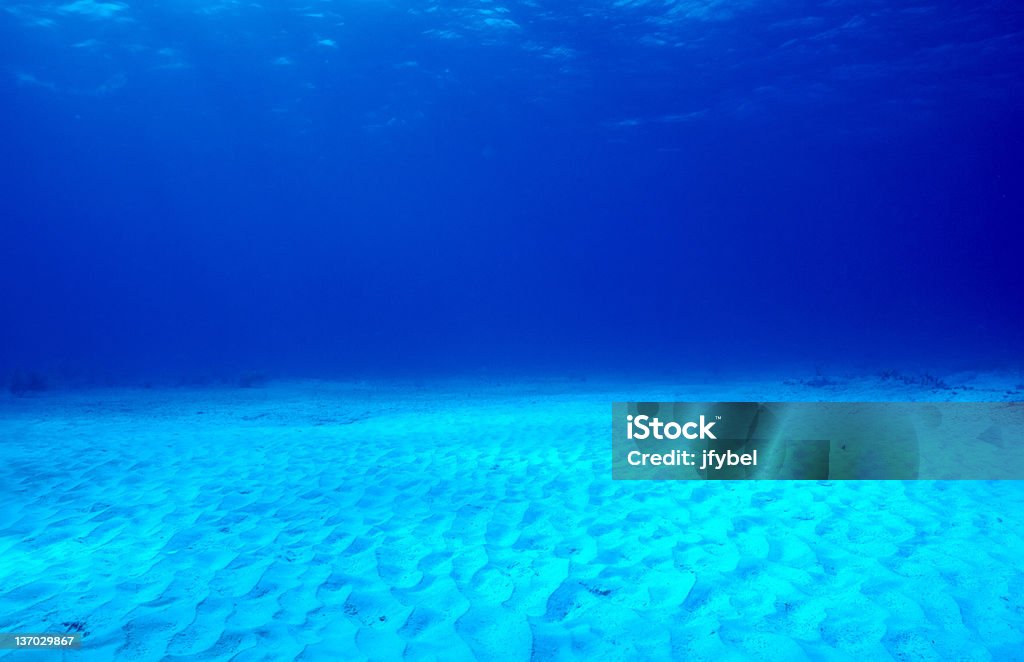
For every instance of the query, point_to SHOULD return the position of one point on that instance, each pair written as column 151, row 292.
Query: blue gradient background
column 193, row 187
column 689, row 200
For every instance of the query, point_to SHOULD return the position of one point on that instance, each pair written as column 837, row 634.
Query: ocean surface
column 312, row 314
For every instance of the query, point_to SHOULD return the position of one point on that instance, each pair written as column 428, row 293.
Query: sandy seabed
column 473, row 520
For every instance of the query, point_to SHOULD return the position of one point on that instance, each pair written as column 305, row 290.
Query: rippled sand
column 471, row 520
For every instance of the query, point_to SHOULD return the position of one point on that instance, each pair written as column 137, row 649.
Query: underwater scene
column 339, row 330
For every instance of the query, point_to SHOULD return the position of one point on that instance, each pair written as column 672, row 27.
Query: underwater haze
column 326, row 188
column 312, row 315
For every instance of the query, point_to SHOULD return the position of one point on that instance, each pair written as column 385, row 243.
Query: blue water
column 552, row 206
column 326, row 188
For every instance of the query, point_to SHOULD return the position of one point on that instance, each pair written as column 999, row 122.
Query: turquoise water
column 305, row 308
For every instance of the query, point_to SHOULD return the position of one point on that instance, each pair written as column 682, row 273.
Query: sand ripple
column 310, row 522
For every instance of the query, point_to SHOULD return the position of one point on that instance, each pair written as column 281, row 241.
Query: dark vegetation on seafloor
column 26, row 382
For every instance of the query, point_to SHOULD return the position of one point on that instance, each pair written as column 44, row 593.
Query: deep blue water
column 330, row 188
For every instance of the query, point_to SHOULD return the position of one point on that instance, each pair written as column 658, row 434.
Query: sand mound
column 330, row 521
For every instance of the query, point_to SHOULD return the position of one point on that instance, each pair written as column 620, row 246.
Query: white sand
column 470, row 520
